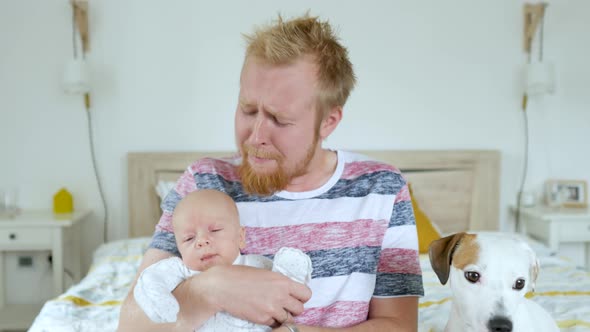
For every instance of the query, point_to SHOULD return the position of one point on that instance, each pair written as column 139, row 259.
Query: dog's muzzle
column 500, row 324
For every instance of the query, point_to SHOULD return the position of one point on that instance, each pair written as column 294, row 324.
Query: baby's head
column 207, row 229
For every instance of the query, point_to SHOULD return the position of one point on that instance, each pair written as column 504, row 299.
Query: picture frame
column 566, row 193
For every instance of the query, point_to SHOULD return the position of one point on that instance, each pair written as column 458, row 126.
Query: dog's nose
column 500, row 324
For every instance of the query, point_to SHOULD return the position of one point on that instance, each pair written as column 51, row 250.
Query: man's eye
column 279, row 122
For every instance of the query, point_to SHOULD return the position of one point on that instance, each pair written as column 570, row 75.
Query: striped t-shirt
column 358, row 228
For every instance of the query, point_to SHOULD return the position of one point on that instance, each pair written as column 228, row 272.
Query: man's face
column 276, row 123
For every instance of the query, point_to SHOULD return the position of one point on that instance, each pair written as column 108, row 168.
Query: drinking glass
column 9, row 201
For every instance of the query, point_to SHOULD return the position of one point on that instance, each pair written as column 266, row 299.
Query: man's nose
column 259, row 131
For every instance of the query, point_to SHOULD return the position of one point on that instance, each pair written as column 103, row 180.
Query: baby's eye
column 216, row 230
column 188, row 239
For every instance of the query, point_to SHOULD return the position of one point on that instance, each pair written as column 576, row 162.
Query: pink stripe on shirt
column 185, row 184
column 338, row 314
column 358, row 168
column 165, row 224
column 226, row 169
column 397, row 260
column 308, row 237
column 403, row 195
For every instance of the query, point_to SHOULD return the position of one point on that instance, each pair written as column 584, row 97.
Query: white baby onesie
column 153, row 291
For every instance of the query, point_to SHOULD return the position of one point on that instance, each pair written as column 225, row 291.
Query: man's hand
column 253, row 294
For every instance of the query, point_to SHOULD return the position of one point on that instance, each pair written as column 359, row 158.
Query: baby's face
column 208, row 236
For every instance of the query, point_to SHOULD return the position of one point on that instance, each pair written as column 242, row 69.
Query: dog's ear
column 441, row 252
column 534, row 267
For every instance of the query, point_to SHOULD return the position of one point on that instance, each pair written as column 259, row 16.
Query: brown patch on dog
column 467, row 252
column 440, row 253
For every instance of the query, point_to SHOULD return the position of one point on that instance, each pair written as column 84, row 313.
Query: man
column 351, row 215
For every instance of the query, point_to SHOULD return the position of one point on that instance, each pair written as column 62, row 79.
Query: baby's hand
column 294, row 264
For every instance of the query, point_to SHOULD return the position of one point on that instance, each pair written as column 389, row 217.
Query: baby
column 208, row 233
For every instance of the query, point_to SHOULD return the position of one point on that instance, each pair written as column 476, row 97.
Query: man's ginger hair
column 284, row 42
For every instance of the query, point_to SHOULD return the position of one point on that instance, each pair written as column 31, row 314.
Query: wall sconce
column 80, row 8
column 539, row 76
column 76, row 78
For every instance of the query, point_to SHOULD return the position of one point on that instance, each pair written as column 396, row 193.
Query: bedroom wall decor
column 80, row 8
column 76, row 78
column 77, row 81
column 538, row 80
column 539, row 74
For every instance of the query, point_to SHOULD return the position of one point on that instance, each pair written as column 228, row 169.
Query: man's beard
column 267, row 184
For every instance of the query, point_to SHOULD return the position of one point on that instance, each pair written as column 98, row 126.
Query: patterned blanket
column 94, row 303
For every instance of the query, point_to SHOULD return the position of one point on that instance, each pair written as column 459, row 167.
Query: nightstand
column 40, row 230
column 557, row 225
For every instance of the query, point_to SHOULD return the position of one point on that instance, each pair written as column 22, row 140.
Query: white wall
column 432, row 75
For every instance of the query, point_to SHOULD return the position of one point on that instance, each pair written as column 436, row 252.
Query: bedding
column 94, row 303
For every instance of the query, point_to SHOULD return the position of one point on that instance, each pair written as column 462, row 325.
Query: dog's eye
column 519, row 284
column 471, row 276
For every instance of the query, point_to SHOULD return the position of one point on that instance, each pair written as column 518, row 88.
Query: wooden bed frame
column 457, row 189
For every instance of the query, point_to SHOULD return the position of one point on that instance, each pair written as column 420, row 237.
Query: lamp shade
column 76, row 78
column 540, row 78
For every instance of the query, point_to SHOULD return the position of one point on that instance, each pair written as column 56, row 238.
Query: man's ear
column 330, row 121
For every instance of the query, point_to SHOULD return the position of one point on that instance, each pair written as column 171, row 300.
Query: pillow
column 163, row 188
column 541, row 249
column 427, row 230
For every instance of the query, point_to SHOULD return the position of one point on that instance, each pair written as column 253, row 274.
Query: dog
column 489, row 275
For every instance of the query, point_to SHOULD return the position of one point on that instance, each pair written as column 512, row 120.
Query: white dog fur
column 491, row 301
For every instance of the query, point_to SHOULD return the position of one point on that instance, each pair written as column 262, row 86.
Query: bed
column 458, row 189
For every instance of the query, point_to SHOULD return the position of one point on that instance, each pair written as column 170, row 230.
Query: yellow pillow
column 427, row 232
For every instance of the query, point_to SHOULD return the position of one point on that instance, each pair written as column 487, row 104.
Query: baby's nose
column 202, row 242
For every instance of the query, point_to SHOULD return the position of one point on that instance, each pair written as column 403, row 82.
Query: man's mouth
column 258, row 160
column 258, row 155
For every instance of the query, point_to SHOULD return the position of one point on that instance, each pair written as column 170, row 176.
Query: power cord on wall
column 526, row 136
column 91, row 136
column 96, row 175
column 524, row 168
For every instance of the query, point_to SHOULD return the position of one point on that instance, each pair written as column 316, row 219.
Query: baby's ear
column 242, row 237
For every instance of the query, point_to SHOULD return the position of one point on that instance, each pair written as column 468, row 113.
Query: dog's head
column 489, row 275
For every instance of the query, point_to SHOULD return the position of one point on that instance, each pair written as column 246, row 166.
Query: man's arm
column 132, row 318
column 256, row 295
column 385, row 314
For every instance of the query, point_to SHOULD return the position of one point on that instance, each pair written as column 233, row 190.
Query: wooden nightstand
column 557, row 225
column 39, row 231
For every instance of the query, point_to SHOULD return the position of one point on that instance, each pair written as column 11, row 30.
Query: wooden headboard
column 457, row 189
